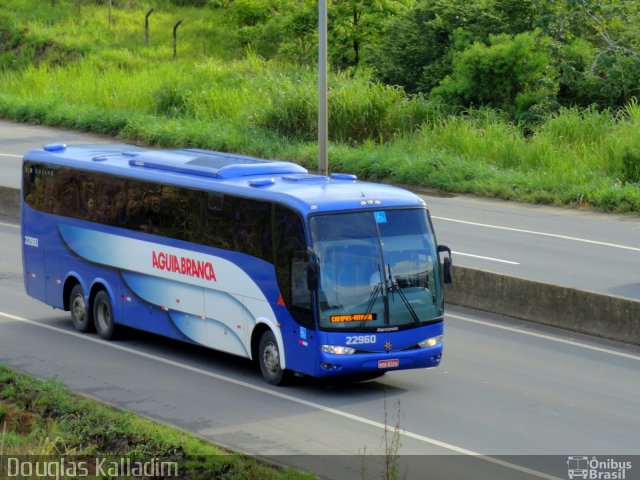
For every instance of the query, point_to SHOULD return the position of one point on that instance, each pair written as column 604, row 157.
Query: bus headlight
column 430, row 342
column 337, row 349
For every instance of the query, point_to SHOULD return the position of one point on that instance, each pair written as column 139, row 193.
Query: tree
column 354, row 24
column 418, row 46
column 597, row 50
column 288, row 28
column 512, row 73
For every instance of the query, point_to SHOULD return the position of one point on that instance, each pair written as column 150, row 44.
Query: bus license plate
column 392, row 363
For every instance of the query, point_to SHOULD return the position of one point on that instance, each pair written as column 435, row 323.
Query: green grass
column 44, row 418
column 101, row 78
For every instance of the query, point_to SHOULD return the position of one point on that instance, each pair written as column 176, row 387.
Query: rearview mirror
column 447, row 264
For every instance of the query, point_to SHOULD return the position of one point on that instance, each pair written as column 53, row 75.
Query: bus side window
column 143, row 206
column 69, row 200
column 86, row 195
column 178, row 207
column 215, row 201
column 29, row 184
column 40, row 187
column 110, row 200
column 248, row 224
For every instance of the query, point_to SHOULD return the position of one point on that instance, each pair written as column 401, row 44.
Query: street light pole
column 323, row 161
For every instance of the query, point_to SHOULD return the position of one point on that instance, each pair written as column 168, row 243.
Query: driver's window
column 291, row 264
column 300, row 295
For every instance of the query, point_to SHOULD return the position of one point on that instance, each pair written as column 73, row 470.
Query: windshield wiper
column 395, row 287
column 372, row 298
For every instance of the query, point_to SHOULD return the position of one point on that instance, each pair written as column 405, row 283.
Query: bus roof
column 273, row 180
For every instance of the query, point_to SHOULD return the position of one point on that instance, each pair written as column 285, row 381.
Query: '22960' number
column 361, row 340
column 31, row 241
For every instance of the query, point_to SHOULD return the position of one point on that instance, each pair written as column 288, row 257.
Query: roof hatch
column 214, row 164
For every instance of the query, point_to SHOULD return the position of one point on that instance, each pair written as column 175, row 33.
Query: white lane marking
column 544, row 336
column 2, row 224
column 533, row 232
column 284, row 396
column 10, row 155
column 486, row 258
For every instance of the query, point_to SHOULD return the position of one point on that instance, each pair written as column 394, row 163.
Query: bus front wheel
column 269, row 359
column 103, row 315
column 80, row 317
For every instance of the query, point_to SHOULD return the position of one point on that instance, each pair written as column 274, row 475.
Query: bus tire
column 269, row 360
column 80, row 317
column 103, row 316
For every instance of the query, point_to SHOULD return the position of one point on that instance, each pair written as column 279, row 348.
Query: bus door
column 300, row 337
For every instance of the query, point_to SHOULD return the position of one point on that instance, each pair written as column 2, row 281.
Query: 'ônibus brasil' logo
column 597, row 469
column 183, row 265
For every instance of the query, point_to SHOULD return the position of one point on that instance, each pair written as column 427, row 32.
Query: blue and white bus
column 305, row 274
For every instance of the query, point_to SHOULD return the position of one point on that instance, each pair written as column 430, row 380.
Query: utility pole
column 323, row 160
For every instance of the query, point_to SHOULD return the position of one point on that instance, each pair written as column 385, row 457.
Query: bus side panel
column 165, row 307
column 34, row 273
column 56, row 270
column 132, row 311
column 140, row 314
column 34, row 241
column 226, row 316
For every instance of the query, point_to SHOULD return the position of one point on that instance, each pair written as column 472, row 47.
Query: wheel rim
column 103, row 316
column 271, row 358
column 78, row 308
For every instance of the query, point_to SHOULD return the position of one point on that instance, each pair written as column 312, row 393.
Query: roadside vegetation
column 43, row 421
column 532, row 100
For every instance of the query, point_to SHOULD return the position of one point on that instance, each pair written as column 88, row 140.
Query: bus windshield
column 376, row 270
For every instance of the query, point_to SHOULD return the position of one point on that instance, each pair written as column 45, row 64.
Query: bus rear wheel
column 80, row 317
column 103, row 315
column 269, row 360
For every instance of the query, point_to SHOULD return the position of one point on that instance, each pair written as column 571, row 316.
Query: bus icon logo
column 578, row 467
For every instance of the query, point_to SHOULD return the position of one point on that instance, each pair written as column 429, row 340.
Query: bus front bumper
column 367, row 363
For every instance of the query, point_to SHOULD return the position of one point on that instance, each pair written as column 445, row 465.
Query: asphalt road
column 17, row 138
column 570, row 247
column 504, row 388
